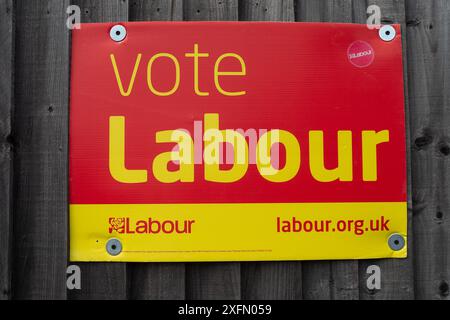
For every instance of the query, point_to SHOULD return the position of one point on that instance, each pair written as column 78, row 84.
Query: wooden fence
column 34, row 100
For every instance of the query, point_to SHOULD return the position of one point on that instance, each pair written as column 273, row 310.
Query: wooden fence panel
column 155, row 281
column 396, row 275
column 40, row 131
column 6, row 154
column 429, row 88
column 34, row 93
column 270, row 280
column 212, row 280
column 337, row 280
column 102, row 281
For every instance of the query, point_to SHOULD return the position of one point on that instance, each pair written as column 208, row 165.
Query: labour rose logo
column 117, row 225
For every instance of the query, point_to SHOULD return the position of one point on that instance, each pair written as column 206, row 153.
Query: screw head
column 114, row 247
column 387, row 33
column 396, row 242
column 118, row 33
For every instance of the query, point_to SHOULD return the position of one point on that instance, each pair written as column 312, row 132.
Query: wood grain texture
column 266, row 10
column 102, row 10
column 40, row 131
column 156, row 281
column 6, row 151
column 396, row 275
column 324, row 280
column 211, row 280
column 428, row 31
column 270, row 280
column 156, row 10
column 102, row 281
column 210, row 10
column 324, row 10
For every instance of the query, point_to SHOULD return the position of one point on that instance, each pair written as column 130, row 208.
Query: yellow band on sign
column 237, row 232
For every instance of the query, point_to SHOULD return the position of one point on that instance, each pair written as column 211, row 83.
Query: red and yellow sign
column 236, row 142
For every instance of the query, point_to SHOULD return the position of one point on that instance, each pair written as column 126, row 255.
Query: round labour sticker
column 361, row 54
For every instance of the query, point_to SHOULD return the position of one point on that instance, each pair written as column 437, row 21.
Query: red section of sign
column 298, row 79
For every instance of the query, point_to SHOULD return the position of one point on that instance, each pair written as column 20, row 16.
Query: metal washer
column 396, row 242
column 118, row 33
column 114, row 247
column 387, row 33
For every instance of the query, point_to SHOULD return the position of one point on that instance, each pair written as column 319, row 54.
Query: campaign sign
column 237, row 142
